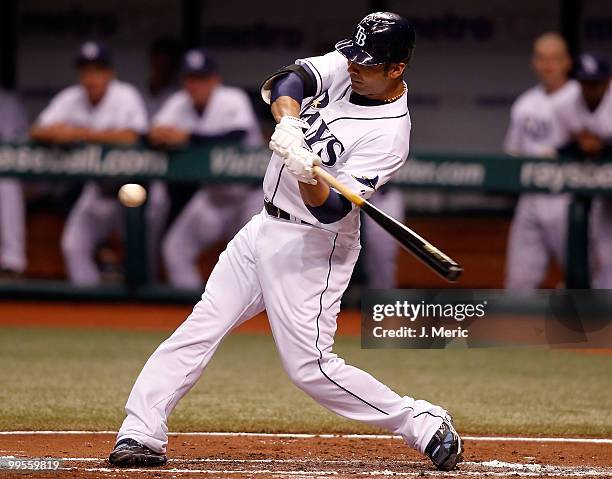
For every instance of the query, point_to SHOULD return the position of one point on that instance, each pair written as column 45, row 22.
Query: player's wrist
column 293, row 122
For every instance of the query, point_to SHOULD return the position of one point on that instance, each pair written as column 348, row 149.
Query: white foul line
column 552, row 471
column 585, row 440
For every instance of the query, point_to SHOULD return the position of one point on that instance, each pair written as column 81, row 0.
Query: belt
column 276, row 212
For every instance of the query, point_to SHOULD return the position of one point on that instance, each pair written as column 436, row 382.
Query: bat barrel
column 408, row 239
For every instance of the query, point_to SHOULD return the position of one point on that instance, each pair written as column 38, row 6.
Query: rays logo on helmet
column 360, row 36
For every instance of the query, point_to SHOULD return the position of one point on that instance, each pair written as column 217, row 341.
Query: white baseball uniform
column 95, row 216
column 13, row 128
column 297, row 270
column 214, row 212
column 574, row 116
column 539, row 228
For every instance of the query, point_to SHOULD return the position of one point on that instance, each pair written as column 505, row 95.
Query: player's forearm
column 119, row 137
column 42, row 133
column 285, row 106
column 314, row 195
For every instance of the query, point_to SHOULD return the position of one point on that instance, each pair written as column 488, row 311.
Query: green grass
column 67, row 379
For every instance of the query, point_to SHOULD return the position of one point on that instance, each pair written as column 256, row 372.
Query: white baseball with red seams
column 296, row 272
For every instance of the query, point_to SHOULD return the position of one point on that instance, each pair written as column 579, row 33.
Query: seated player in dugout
column 205, row 112
column 585, row 119
column 295, row 258
column 99, row 109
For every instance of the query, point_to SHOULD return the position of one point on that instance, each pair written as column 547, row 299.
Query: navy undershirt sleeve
column 289, row 85
column 334, row 209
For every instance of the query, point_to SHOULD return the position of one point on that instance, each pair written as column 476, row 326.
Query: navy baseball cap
column 198, row 62
column 592, row 67
column 94, row 52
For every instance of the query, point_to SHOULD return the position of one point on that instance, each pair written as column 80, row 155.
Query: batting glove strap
column 289, row 132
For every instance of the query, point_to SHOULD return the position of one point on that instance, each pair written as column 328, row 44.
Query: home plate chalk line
column 585, row 440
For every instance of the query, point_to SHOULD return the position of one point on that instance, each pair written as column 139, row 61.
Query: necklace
column 392, row 99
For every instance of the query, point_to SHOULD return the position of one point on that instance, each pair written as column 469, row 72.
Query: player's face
column 95, row 79
column 593, row 92
column 373, row 81
column 200, row 88
column 551, row 63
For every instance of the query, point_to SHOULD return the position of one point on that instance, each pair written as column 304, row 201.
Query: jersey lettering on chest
column 319, row 137
column 537, row 129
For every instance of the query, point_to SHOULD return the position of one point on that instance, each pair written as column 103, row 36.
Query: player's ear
column 396, row 70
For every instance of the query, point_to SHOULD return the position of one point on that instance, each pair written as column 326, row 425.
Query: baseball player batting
column 346, row 112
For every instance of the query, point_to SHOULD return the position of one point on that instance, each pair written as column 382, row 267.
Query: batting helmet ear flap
column 310, row 86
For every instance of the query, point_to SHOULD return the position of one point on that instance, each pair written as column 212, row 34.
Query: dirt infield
column 273, row 456
column 135, row 317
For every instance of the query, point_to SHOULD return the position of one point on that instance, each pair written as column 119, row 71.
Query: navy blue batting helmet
column 381, row 37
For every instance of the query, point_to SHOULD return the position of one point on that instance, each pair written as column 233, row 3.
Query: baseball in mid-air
column 132, row 195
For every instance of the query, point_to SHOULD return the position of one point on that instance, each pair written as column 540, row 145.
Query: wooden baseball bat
column 408, row 239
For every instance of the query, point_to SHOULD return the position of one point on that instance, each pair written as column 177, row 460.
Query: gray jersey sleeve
column 58, row 110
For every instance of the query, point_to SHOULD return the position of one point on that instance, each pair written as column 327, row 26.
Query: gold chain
column 389, row 100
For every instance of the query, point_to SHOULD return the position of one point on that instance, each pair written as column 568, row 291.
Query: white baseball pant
column 601, row 243
column 12, row 225
column 537, row 234
column 298, row 273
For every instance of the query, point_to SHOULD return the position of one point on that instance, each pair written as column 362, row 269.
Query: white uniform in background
column 297, row 270
column 95, row 216
column 539, row 228
column 381, row 250
column 574, row 116
column 13, row 128
column 214, row 212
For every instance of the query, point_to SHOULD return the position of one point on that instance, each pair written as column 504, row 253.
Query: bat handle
column 337, row 185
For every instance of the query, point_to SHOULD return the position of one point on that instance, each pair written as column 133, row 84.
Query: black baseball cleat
column 445, row 447
column 130, row 453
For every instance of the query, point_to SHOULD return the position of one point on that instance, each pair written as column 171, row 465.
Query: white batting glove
column 289, row 132
column 299, row 161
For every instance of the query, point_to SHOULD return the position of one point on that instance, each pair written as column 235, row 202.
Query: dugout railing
column 490, row 173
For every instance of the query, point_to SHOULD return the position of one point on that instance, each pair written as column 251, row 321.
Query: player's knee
column 72, row 245
column 304, row 374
